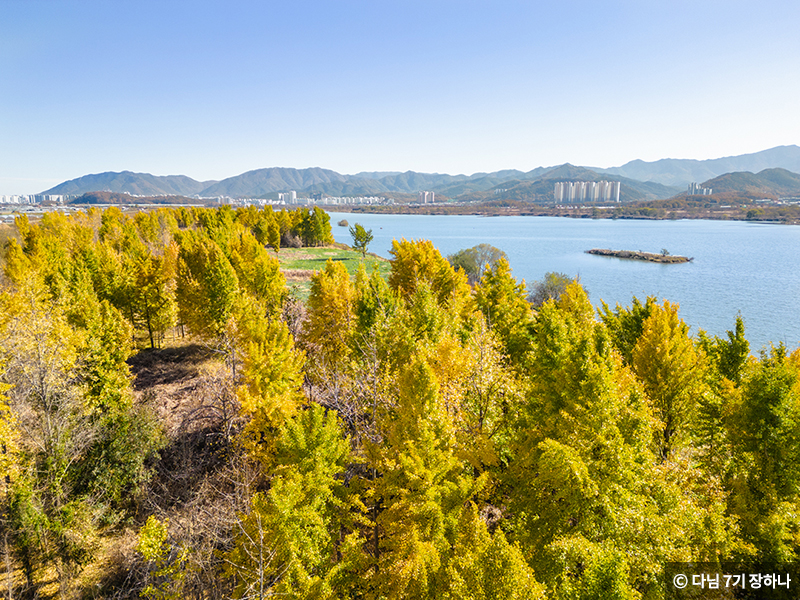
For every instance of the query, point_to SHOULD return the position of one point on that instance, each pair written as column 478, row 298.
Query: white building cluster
column 592, row 191
column 33, row 199
column 352, row 200
column 697, row 190
column 243, row 201
column 425, row 197
column 337, row 200
column 318, row 199
column 290, row 198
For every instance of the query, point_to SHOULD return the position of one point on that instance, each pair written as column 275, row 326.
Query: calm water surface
column 738, row 267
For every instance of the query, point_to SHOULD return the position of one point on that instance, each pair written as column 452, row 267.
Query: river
column 738, row 268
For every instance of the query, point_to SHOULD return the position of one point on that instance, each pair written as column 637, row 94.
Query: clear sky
column 211, row 89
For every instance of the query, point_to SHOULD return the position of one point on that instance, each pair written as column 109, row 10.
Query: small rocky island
column 664, row 257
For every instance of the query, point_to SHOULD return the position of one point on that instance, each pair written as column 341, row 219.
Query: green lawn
column 314, row 259
column 298, row 264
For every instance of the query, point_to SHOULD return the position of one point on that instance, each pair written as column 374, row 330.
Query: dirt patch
column 297, row 274
column 165, row 366
column 179, row 384
column 291, row 254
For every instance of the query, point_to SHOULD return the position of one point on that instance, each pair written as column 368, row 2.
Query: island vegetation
column 663, row 257
column 175, row 422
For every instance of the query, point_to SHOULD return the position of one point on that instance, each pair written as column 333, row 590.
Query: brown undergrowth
column 200, row 481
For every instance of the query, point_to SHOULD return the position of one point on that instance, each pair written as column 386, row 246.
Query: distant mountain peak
column 569, row 171
column 128, row 182
column 680, row 172
column 769, row 183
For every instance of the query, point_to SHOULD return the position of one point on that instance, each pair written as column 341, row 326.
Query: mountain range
column 769, row 183
column 681, row 172
column 540, row 189
column 138, row 184
column 640, row 180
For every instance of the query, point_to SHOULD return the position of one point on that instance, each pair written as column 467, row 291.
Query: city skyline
column 208, row 90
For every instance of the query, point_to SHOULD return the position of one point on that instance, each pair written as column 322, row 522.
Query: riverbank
column 655, row 210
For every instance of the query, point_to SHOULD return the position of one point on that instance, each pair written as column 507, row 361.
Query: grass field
column 298, row 264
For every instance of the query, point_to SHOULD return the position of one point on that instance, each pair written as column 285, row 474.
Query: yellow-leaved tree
column 506, row 310
column 9, row 446
column 207, row 285
column 764, row 430
column 672, row 371
column 331, row 319
column 258, row 273
column 285, row 545
column 586, row 488
column 417, row 262
column 39, row 351
column 272, row 379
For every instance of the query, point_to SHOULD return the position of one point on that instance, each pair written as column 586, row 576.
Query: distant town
column 731, row 188
column 564, row 192
column 284, row 199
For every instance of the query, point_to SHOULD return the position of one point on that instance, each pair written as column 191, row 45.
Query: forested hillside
column 403, row 437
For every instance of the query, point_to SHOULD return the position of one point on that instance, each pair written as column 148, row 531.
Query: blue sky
column 212, row 89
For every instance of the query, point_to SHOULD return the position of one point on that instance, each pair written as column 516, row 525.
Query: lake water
column 739, row 268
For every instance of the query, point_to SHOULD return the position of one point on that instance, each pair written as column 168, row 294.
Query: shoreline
column 765, row 215
column 773, row 215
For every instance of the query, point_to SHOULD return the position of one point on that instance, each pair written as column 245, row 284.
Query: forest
column 430, row 434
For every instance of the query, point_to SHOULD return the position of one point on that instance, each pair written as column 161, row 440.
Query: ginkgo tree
column 585, row 484
column 671, row 368
column 285, row 544
column 425, row 436
column 765, row 432
column 502, row 301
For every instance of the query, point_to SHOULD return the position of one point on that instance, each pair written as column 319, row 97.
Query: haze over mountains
column 681, row 172
column 640, row 180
